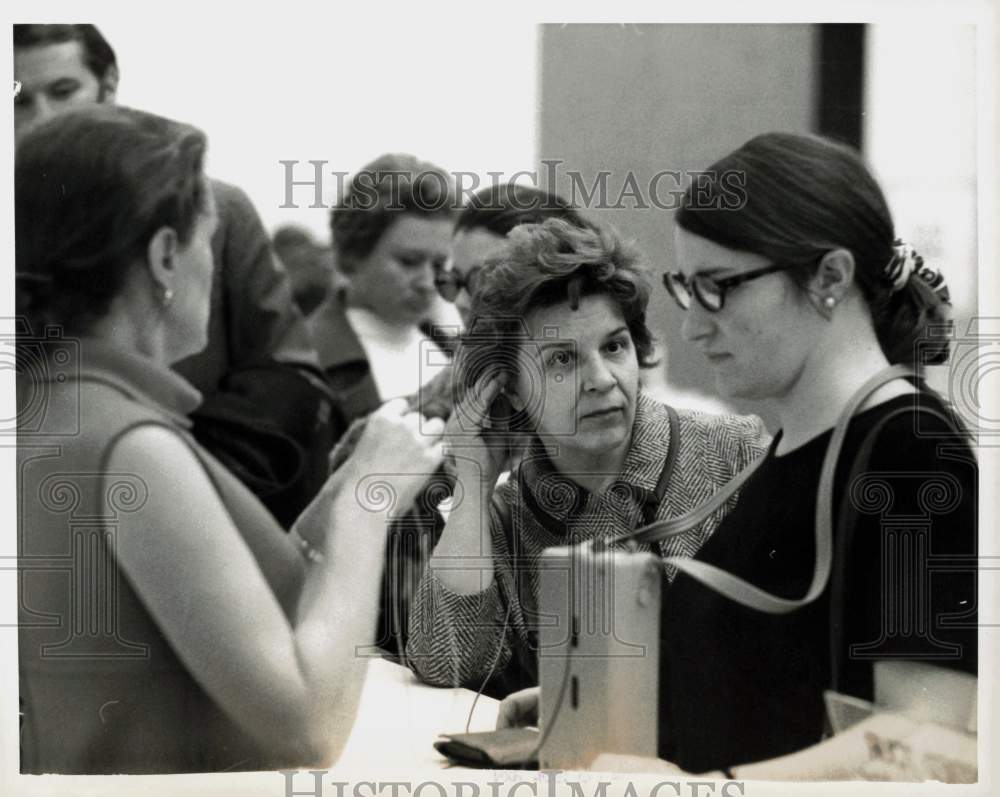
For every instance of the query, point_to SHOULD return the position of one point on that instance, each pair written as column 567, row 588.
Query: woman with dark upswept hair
column 802, row 296
column 195, row 634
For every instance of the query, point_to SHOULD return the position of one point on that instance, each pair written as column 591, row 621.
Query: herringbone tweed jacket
column 457, row 640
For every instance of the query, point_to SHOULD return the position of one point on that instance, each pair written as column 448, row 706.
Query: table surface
column 399, row 719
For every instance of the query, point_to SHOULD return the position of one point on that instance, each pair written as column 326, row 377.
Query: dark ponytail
column 792, row 198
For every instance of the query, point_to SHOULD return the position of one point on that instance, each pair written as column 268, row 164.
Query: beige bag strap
column 735, row 588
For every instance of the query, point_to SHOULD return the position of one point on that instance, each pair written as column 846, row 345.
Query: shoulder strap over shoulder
column 738, row 589
column 650, row 508
column 672, row 450
column 845, row 535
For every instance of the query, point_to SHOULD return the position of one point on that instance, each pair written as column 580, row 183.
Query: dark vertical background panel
column 841, row 83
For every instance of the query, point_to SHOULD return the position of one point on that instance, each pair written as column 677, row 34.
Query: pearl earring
column 829, row 302
column 167, row 296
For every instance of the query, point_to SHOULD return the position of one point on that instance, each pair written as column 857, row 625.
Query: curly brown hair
column 544, row 265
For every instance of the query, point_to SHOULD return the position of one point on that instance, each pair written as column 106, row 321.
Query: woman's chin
column 598, row 442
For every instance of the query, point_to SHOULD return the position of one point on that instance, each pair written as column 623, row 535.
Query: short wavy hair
column 541, row 266
column 380, row 193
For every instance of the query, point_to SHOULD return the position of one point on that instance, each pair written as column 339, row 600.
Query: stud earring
column 167, row 296
column 829, row 302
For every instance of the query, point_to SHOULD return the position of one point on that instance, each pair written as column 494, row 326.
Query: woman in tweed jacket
column 557, row 339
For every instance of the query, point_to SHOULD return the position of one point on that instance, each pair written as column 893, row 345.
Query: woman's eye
column 618, row 346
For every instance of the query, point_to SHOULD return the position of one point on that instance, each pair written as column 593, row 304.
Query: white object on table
column 399, row 719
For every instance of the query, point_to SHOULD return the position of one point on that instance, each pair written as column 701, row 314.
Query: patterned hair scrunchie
column 905, row 263
column 901, row 265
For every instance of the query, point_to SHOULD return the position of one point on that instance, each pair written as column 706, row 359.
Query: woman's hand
column 519, row 709
column 399, row 446
column 470, row 452
column 476, row 461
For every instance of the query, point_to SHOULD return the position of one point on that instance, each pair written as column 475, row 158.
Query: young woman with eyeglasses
column 797, row 298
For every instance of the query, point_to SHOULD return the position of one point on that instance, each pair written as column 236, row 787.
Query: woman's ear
column 834, row 275
column 109, row 84
column 161, row 254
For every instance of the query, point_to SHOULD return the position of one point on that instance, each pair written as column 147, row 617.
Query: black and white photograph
column 475, row 401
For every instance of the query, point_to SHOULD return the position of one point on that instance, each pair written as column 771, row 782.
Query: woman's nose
column 698, row 322
column 596, row 375
column 424, row 278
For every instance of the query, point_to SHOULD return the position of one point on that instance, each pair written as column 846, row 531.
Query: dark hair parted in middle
column 544, row 265
column 502, row 207
column 379, row 193
column 802, row 196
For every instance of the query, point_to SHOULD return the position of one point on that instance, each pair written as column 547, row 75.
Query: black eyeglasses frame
column 681, row 288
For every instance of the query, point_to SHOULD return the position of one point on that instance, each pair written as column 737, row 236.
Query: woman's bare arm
column 292, row 685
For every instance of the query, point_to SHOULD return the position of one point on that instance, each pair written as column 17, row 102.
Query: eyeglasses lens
column 708, row 293
column 676, row 285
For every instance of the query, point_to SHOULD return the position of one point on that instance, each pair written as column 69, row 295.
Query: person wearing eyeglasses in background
column 482, row 226
column 480, row 234
column 798, row 298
